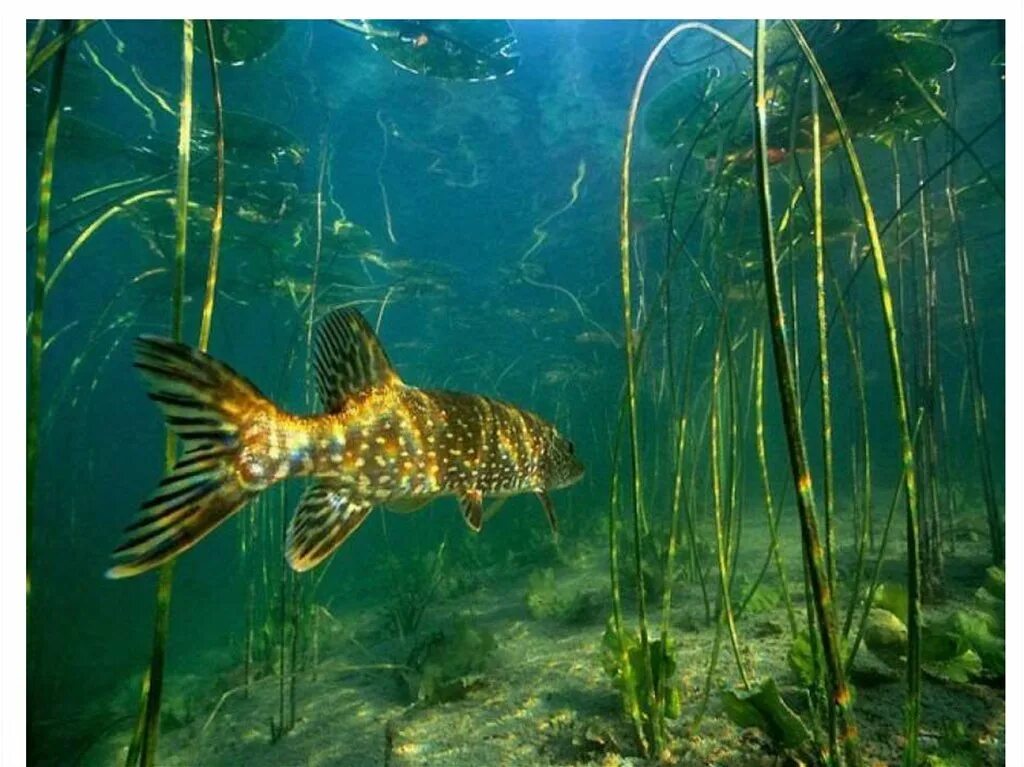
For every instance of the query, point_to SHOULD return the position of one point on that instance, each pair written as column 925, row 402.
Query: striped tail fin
column 208, row 405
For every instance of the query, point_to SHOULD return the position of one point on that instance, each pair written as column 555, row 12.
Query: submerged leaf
column 242, row 42
column 762, row 707
column 451, row 50
column 893, row 598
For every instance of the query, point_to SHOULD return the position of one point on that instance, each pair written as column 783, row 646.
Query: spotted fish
column 379, row 442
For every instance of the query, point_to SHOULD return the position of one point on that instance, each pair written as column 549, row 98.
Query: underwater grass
column 35, row 329
column 839, row 695
column 57, row 46
column 217, row 224
column 145, row 750
column 900, row 401
column 654, row 738
column 969, row 332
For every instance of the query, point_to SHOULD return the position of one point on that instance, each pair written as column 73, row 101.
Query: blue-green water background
column 470, row 170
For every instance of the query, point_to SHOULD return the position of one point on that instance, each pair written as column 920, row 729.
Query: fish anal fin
column 348, row 358
column 327, row 514
column 549, row 510
column 471, row 502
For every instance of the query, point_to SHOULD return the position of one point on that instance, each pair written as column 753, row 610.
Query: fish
column 378, row 442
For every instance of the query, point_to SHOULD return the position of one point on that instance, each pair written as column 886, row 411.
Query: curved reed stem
column 900, row 402
column 35, row 329
column 651, row 705
column 95, row 225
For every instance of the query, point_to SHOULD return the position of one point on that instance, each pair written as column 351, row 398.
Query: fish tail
column 209, row 407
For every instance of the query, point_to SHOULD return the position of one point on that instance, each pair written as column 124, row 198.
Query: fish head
column 559, row 466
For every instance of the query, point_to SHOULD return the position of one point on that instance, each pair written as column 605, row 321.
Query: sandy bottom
column 544, row 698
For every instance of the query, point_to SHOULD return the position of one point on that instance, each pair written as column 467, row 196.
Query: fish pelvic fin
column 327, row 514
column 209, row 407
column 549, row 511
column 348, row 358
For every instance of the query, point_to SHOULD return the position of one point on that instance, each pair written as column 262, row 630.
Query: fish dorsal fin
column 325, row 517
column 471, row 502
column 348, row 358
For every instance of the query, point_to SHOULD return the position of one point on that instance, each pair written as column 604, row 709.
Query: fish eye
column 570, row 447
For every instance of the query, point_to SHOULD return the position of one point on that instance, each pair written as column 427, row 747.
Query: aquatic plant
column 447, row 664
column 415, row 587
column 35, row 330
column 763, row 707
column 544, row 600
column 144, row 743
column 702, row 114
column 629, row 673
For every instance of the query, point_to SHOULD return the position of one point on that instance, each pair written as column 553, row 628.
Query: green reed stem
column 33, row 41
column 630, row 701
column 721, row 538
column 939, row 112
column 318, row 249
column 900, row 402
column 217, row 224
column 864, row 496
column 57, row 45
column 969, row 331
column 813, row 554
column 96, row 224
column 656, row 712
column 927, row 385
column 769, row 503
column 151, row 730
column 677, row 496
column 879, row 561
column 35, row 329
column 823, row 366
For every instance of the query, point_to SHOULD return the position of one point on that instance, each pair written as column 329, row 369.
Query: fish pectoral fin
column 471, row 503
column 549, row 510
column 327, row 514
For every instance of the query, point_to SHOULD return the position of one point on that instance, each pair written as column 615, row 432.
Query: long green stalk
column 35, row 329
column 769, row 503
column 217, row 224
column 879, row 561
column 151, row 730
column 33, row 41
column 58, row 45
column 823, row 367
column 927, row 384
column 652, row 706
column 900, row 402
column 864, row 496
column 721, row 538
column 969, row 331
column 823, row 601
